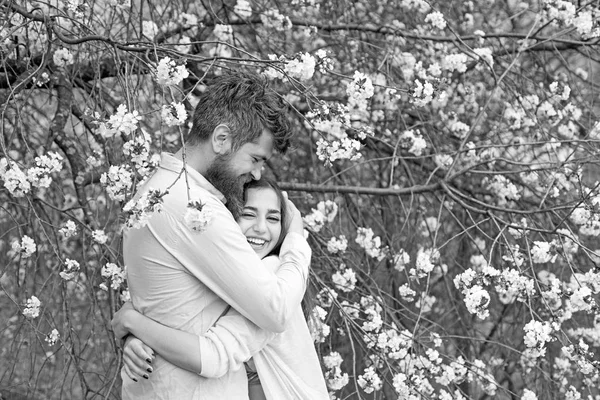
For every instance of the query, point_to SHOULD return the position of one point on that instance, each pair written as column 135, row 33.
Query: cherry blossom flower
column 198, row 216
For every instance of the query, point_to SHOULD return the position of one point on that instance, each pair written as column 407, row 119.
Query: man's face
column 229, row 172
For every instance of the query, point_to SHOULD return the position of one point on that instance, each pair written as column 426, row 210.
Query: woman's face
column 261, row 220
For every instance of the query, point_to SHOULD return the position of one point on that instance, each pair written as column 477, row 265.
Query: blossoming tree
column 446, row 162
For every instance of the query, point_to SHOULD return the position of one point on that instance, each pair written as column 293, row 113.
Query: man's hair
column 267, row 183
column 247, row 106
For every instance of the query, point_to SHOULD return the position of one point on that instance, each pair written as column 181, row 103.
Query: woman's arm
column 178, row 347
column 226, row 346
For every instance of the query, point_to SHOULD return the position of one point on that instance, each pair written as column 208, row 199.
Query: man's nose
column 256, row 173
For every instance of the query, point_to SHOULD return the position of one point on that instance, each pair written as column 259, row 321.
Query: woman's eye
column 247, row 215
column 274, row 219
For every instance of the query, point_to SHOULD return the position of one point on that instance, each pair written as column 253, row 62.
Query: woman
column 287, row 363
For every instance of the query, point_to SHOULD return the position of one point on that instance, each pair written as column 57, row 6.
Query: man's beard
column 221, row 176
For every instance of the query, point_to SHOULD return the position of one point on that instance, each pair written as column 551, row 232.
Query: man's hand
column 293, row 218
column 137, row 359
column 120, row 320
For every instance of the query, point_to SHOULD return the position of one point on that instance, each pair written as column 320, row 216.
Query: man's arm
column 221, row 258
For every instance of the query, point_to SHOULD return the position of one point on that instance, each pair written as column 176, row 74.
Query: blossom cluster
column 168, row 72
column 174, row 114
column 69, row 229
column 504, row 190
column 319, row 330
column 301, row 66
column 344, row 279
column 337, row 245
column 273, row 19
column 510, row 285
column 52, row 337
column 366, row 239
column 198, row 216
column 537, row 334
column 25, row 248
column 243, row 8
column 137, row 150
column 114, row 275
column 32, row 307
column 63, row 57
column 138, row 211
column 332, row 121
column 118, row 181
column 334, row 377
column 122, row 121
column 359, row 90
column 19, row 182
column 70, row 270
column 413, row 141
column 325, row 212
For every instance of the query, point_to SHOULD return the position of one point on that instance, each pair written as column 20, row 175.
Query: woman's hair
column 267, row 183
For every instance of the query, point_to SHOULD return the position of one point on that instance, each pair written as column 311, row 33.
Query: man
column 185, row 278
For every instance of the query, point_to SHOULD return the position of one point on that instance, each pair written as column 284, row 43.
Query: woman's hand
column 137, row 359
column 121, row 320
column 293, row 217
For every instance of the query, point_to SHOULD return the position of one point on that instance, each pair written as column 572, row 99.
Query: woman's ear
column 221, row 139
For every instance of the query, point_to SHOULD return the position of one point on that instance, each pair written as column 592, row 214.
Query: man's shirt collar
column 169, row 162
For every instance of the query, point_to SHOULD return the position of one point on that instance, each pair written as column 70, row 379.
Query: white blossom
column 401, row 259
column 69, row 229
column 243, row 8
column 541, row 252
column 188, row 20
column 319, row 330
column 99, row 236
column 169, row 73
column 70, row 270
column 149, row 29
column 273, row 19
column 359, row 90
column 140, row 210
column 198, row 216
column 114, row 274
column 301, row 67
column 537, row 334
column 63, row 57
column 118, row 180
column 52, row 337
column 370, row 381
column 372, row 244
column 436, row 19
column 413, row 140
column 15, row 180
column 174, row 114
column 26, row 247
column 344, row 280
column 337, row 245
column 32, row 308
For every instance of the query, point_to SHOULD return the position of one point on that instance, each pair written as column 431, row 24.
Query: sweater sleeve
column 229, row 343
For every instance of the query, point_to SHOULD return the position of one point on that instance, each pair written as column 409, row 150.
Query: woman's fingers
column 138, row 357
column 128, row 372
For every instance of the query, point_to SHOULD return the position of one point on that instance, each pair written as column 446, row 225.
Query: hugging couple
column 215, row 310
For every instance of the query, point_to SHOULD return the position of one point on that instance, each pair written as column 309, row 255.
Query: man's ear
column 221, row 139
